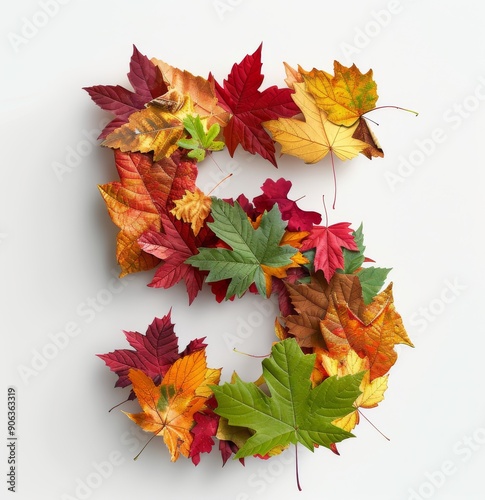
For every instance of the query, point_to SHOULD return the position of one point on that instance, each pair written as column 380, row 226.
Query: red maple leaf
column 204, row 431
column 328, row 243
column 174, row 246
column 277, row 192
column 249, row 107
column 148, row 83
column 153, row 352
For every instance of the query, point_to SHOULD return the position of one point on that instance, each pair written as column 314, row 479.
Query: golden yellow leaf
column 372, row 391
column 193, row 207
column 312, row 139
column 345, row 96
column 151, row 129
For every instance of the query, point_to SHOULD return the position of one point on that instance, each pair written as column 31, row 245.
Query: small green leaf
column 200, row 140
column 354, row 259
column 372, row 279
column 295, row 412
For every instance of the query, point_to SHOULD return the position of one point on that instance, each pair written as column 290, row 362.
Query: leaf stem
column 394, row 107
column 219, row 183
column 381, row 433
column 334, row 181
column 251, row 355
column 146, row 444
column 296, row 468
column 325, row 208
column 119, row 404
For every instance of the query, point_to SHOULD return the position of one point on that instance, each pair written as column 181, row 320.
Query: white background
column 57, row 243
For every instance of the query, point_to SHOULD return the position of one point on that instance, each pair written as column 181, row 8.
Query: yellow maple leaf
column 168, row 409
column 372, row 391
column 193, row 207
column 346, row 96
column 151, row 129
column 312, row 139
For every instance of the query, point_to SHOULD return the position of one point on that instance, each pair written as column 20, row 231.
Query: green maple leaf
column 256, row 254
column 294, row 412
column 353, row 260
column 201, row 140
column 371, row 278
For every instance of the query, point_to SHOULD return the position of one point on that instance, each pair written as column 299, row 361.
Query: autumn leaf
column 371, row 278
column 328, row 243
column 295, row 412
column 201, row 140
column 312, row 139
column 201, row 91
column 346, row 96
column 365, row 134
column 311, row 302
column 372, row 392
column 152, row 353
column 374, row 333
column 147, row 189
column 168, row 410
column 277, row 192
column 249, row 107
column 193, row 207
column 148, row 83
column 151, row 129
column 292, row 76
column 174, row 245
column 254, row 255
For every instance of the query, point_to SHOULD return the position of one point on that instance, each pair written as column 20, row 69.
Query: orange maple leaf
column 169, row 408
column 372, row 335
column 201, row 91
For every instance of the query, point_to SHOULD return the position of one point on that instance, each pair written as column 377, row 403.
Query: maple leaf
column 328, row 242
column 372, row 392
column 312, row 139
column 147, row 81
column 372, row 334
column 277, row 192
column 135, row 204
column 255, row 254
column 311, row 302
column 250, row 107
column 151, row 129
column 169, row 409
column 200, row 140
column 371, row 278
column 346, row 96
column 294, row 412
column 201, row 91
column 174, row 246
column 364, row 133
column 204, row 430
column 193, row 207
column 292, row 76
column 153, row 352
